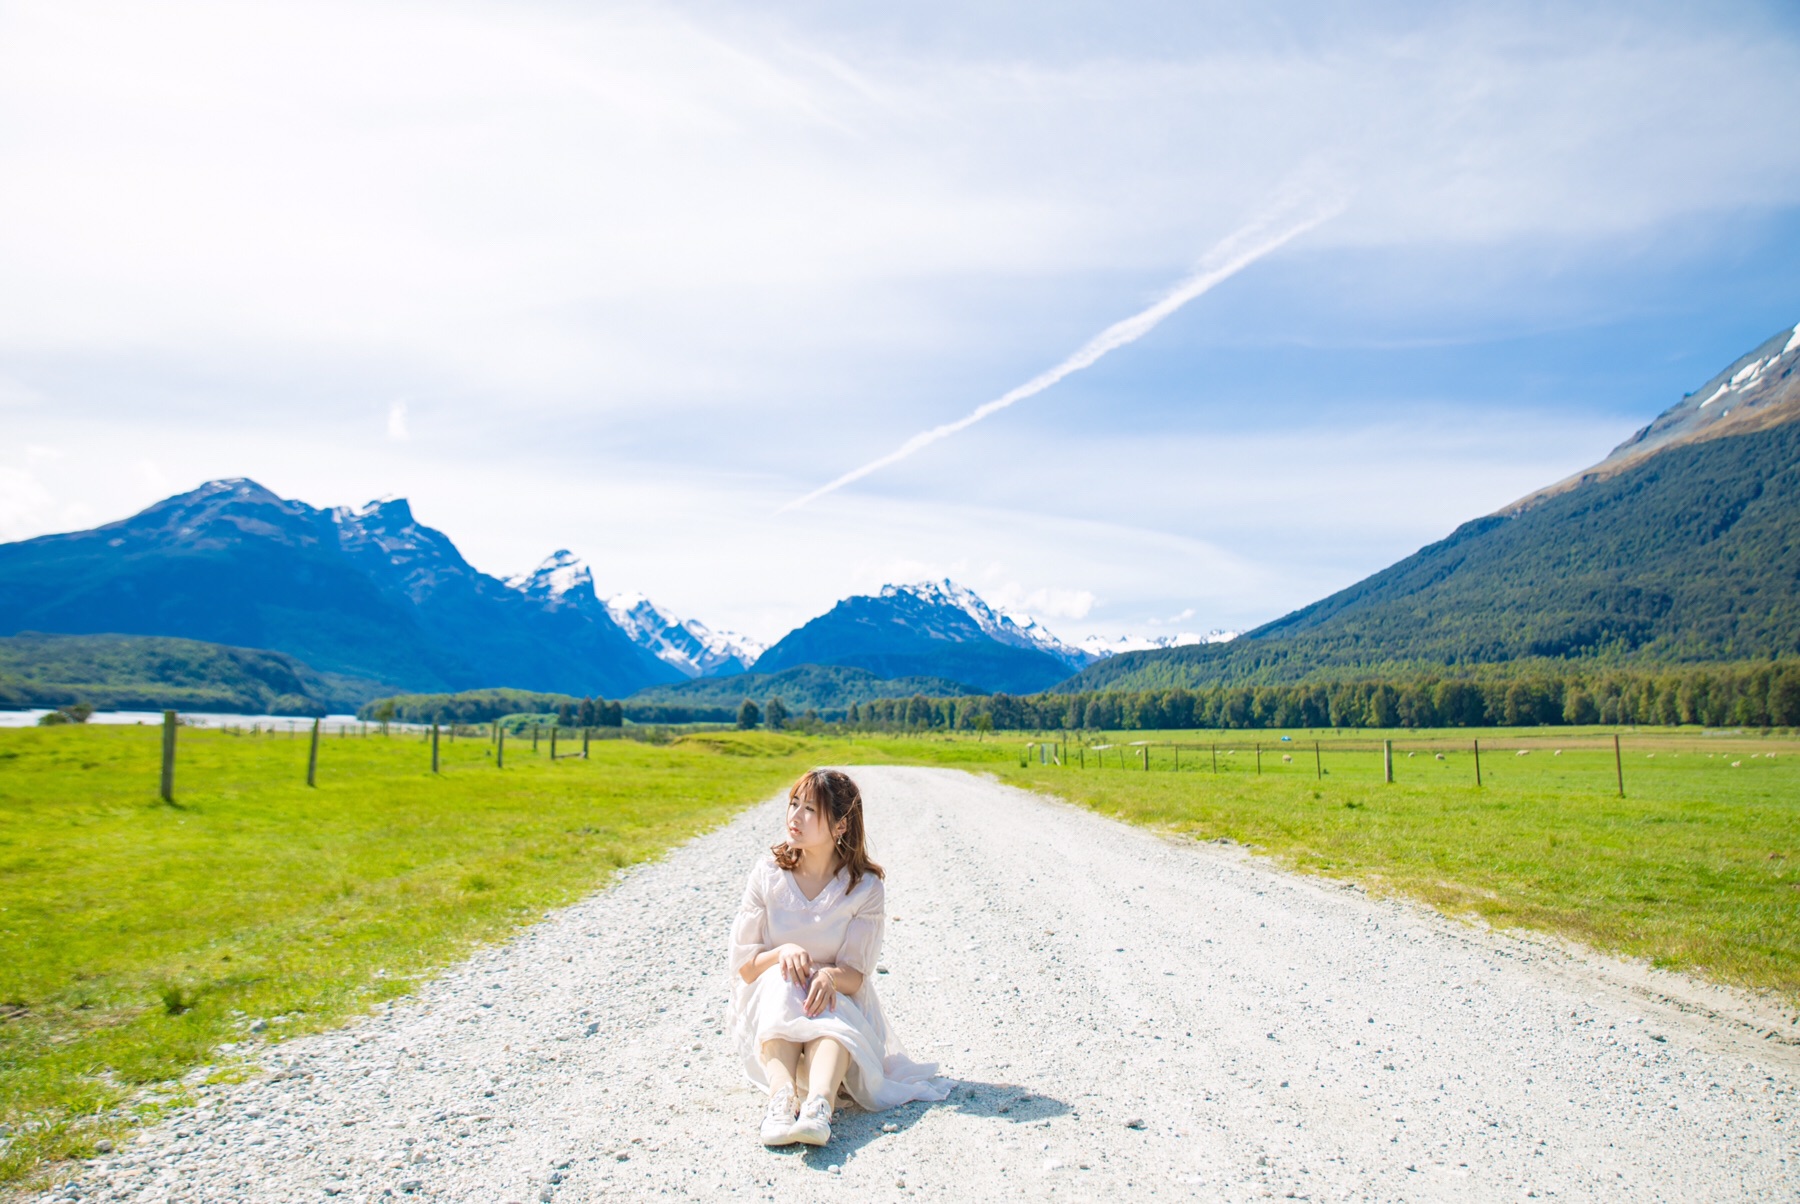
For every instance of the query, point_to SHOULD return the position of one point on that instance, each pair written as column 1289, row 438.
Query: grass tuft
column 177, row 999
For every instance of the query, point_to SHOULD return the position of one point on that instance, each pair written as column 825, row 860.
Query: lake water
column 280, row 723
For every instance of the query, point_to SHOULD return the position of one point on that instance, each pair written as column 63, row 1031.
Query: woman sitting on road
column 804, row 947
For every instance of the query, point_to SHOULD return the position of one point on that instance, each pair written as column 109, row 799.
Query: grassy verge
column 1697, row 868
column 136, row 938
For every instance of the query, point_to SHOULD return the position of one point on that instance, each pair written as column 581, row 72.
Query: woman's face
column 809, row 825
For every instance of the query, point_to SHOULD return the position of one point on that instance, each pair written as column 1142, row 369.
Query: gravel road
column 1128, row 1016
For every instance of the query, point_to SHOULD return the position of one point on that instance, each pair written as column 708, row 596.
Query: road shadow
column 852, row 1128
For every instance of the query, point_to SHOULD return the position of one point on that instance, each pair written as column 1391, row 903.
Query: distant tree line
column 1752, row 695
column 485, row 706
column 665, row 713
column 1758, row 694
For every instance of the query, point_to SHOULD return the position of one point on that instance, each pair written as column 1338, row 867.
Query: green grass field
column 137, row 937
column 1697, row 868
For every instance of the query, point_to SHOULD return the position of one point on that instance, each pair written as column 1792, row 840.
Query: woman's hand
column 821, row 993
column 795, row 962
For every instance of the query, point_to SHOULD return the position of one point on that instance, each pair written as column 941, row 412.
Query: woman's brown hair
column 832, row 791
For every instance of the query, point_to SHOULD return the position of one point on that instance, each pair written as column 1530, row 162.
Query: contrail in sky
column 1232, row 255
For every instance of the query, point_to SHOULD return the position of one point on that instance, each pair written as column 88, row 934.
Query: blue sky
column 628, row 279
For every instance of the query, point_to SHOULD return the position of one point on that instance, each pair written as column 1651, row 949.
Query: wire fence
column 1480, row 760
column 1477, row 760
column 503, row 739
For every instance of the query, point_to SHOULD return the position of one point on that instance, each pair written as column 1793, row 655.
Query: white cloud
column 1042, row 603
column 687, row 262
column 25, row 504
column 16, row 393
column 618, row 203
column 153, row 477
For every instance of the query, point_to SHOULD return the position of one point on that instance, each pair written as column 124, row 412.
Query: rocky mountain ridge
column 1757, row 390
column 1682, row 546
column 565, row 581
column 369, row 593
column 928, row 629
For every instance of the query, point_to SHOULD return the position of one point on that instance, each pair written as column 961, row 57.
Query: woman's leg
column 781, row 1060
column 826, row 1063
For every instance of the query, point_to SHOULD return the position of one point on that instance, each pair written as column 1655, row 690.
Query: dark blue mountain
column 936, row 629
column 368, row 593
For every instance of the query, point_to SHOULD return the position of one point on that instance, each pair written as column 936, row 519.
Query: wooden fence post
column 534, row 736
column 499, row 746
column 312, row 757
column 434, row 748
column 586, row 734
column 168, row 760
column 553, row 732
column 1387, row 760
column 1619, row 764
column 1259, row 758
column 1318, row 763
column 1215, row 756
column 1478, row 762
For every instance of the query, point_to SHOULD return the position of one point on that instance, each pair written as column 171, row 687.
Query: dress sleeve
column 750, row 930
column 862, row 942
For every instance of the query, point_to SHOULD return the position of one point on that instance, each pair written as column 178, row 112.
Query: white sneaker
column 778, row 1121
column 813, row 1125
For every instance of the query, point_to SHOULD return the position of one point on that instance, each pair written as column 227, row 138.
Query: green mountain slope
column 1688, row 554
column 134, row 672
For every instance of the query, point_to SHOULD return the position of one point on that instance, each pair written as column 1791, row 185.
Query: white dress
column 841, row 927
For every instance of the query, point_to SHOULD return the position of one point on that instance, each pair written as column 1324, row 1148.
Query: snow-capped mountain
column 933, row 629
column 1019, row 630
column 564, row 579
column 942, row 629
column 368, row 592
column 688, row 644
column 1100, row 646
column 1011, row 629
column 1757, row 390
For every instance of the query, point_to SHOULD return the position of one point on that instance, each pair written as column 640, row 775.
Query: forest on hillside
column 121, row 672
column 1752, row 695
column 1692, row 557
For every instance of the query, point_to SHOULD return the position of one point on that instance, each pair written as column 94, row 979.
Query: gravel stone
column 1430, row 1059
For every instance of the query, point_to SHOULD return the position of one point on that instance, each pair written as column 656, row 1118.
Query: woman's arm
column 828, row 982
column 796, row 965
